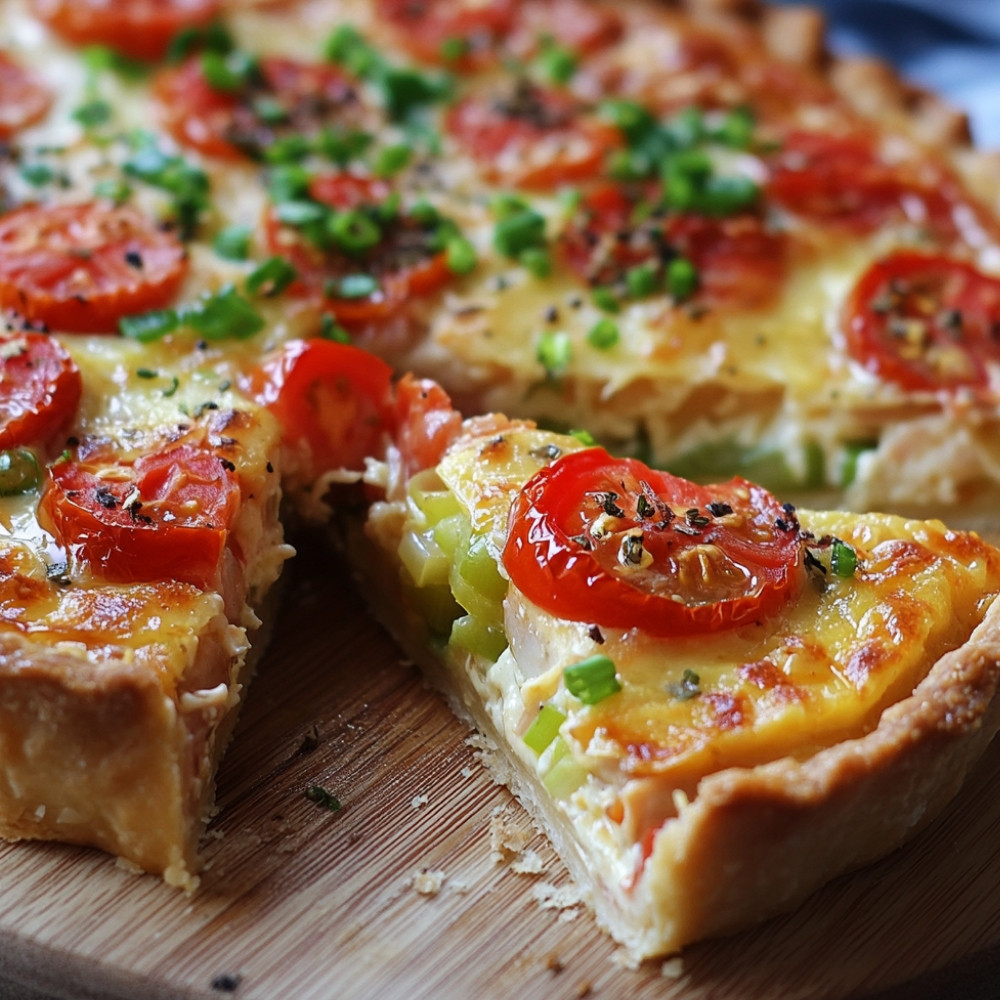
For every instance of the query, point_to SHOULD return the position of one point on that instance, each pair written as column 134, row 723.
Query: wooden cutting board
column 303, row 903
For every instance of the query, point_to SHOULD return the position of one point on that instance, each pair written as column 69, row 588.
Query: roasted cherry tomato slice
column 40, row 389
column 459, row 33
column 578, row 25
column 842, row 180
column 165, row 517
column 80, row 268
column 738, row 261
column 612, row 542
column 332, row 401
column 399, row 254
column 24, row 98
column 142, row 29
column 425, row 423
column 926, row 321
column 534, row 138
column 282, row 98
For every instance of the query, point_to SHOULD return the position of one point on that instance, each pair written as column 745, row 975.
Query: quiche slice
column 711, row 702
column 133, row 575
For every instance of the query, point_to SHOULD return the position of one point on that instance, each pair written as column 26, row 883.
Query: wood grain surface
column 301, row 902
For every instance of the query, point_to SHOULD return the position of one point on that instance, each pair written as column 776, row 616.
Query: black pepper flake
column 105, row 498
column 310, row 741
column 226, row 982
column 719, row 509
column 687, row 529
column 812, row 563
column 596, row 634
column 134, row 259
column 632, row 550
column 607, row 502
column 269, row 467
column 695, row 518
column 227, row 465
column 584, row 541
column 551, row 315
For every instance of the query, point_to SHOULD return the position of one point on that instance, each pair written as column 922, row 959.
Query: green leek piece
column 592, row 680
column 544, row 729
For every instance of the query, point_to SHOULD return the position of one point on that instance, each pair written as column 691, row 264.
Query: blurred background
column 951, row 46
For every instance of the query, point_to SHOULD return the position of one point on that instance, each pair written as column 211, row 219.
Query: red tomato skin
column 919, row 291
column 40, row 389
column 24, row 97
column 211, row 121
column 332, row 401
column 426, row 28
column 315, row 267
column 488, row 133
column 425, row 423
column 142, row 29
column 189, row 500
column 80, row 268
column 557, row 573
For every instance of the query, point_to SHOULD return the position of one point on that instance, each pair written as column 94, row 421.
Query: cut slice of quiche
column 712, row 702
column 133, row 573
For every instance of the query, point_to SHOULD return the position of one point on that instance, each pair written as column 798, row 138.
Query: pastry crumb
column 507, row 840
column 428, row 881
column 528, row 862
column 672, row 968
column 554, row 963
column 419, row 800
column 556, row 897
column 584, row 989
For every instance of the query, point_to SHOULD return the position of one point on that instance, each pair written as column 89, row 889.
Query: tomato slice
column 842, row 180
column 40, row 389
column 285, row 97
column 332, row 401
column 612, row 542
column 404, row 263
column 462, row 34
column 534, row 138
column 24, row 98
column 925, row 321
column 80, row 268
column 164, row 517
column 425, row 423
column 142, row 29
column 739, row 262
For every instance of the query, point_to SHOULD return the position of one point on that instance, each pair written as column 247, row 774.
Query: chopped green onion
column 642, row 280
column 288, row 182
column 688, row 687
column 114, row 189
column 843, row 559
column 351, row 286
column 406, row 90
column 187, row 184
column 323, row 798
column 853, row 450
column 37, row 174
column 288, row 149
column 391, row 160
column 592, row 680
column 460, row 255
column 605, row 299
column 229, row 72
column 544, row 729
column 558, row 63
column 603, row 334
column 347, row 47
column 555, row 351
column 215, row 38
column 271, row 277
column 92, row 113
column 353, row 231
column 221, row 316
column 19, row 472
column 583, row 436
column 301, row 213
column 148, row 326
column 147, row 373
column 736, row 129
column 728, row 195
column 233, row 242
column 521, row 230
column 340, row 145
column 682, row 278
column 454, row 48
column 330, row 329
column 536, row 260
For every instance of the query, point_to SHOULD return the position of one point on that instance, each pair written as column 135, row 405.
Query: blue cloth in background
column 949, row 46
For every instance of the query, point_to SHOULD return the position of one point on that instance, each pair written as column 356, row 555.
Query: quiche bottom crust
column 753, row 842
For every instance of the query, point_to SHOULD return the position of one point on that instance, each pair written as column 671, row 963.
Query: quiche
column 238, row 239
column 711, row 701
